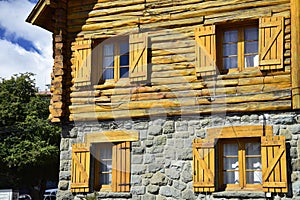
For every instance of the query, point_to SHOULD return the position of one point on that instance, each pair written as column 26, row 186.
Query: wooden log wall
column 174, row 89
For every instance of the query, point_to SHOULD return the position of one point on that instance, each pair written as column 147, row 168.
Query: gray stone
column 148, row 143
column 64, row 175
column 153, row 189
column 74, row 132
column 159, row 179
column 181, row 126
column 137, row 159
column 148, row 158
column 64, row 195
column 179, row 185
column 184, row 154
column 188, row 194
column 173, row 173
column 143, row 134
column 136, row 179
column 63, row 185
column 136, row 144
column 159, row 122
column 137, row 150
column 159, row 197
column 295, row 129
column 295, row 176
column 64, row 165
column 160, row 140
column 65, row 155
column 138, row 169
column 245, row 119
column 200, row 133
column 155, row 130
column 254, row 118
column 156, row 149
column 169, row 192
column 194, row 123
column 283, row 119
column 296, row 165
column 154, row 167
column 140, row 125
column 286, row 133
column 145, row 182
column 293, row 152
column 205, row 122
column 64, row 144
column 138, row 190
column 186, row 175
column 148, row 197
column 168, row 127
column 170, row 153
column 296, row 188
column 182, row 134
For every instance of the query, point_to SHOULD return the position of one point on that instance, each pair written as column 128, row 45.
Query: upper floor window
column 230, row 47
column 239, row 49
column 115, row 59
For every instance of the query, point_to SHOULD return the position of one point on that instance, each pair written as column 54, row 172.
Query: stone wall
column 162, row 158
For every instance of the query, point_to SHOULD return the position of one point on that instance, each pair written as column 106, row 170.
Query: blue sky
column 23, row 47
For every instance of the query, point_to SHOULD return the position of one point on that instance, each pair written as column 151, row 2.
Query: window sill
column 239, row 194
column 102, row 195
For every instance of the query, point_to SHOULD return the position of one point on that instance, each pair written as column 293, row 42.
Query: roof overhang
column 41, row 15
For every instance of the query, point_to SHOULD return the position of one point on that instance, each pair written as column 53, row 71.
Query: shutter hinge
column 124, row 148
column 124, row 184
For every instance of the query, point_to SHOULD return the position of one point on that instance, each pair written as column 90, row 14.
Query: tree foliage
column 29, row 144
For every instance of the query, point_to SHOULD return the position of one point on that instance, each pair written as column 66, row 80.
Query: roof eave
column 40, row 15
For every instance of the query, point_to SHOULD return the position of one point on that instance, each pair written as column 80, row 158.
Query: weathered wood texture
column 173, row 87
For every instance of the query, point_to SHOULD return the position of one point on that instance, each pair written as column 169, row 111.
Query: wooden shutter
column 205, row 50
column 203, row 165
column 80, row 170
column 273, row 157
column 82, row 56
column 138, row 57
column 121, row 167
column 271, row 42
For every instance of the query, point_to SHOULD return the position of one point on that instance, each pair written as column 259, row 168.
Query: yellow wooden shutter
column 271, row 42
column 273, row 157
column 82, row 57
column 138, row 57
column 203, row 165
column 121, row 167
column 80, row 170
column 205, row 63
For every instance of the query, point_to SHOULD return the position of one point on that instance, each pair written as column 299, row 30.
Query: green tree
column 29, row 144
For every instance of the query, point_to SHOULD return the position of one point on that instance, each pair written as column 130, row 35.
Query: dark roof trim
column 41, row 15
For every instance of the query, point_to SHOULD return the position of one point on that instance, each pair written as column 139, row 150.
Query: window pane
column 124, row 72
column 230, row 63
column 124, row 60
column 251, row 33
column 229, row 49
column 124, row 48
column 254, row 177
column 253, row 163
column 231, row 164
column 108, row 61
column 108, row 50
column 253, row 148
column 105, row 163
column 230, row 36
column 251, row 47
column 108, row 73
column 231, row 149
column 231, row 178
column 251, row 61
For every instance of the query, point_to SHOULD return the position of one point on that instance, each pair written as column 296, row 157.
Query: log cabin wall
column 173, row 87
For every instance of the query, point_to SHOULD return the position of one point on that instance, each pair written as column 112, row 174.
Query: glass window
column 105, row 160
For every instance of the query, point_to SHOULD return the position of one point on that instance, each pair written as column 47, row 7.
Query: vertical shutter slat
column 82, row 55
column 205, row 49
column 138, row 57
column 271, row 41
column 274, row 171
column 80, row 168
column 203, row 165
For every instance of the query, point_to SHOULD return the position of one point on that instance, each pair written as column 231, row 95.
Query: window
column 231, row 47
column 115, row 59
column 103, row 162
column 240, row 158
column 239, row 49
column 240, row 164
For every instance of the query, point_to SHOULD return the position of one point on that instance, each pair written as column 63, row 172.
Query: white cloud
column 15, row 59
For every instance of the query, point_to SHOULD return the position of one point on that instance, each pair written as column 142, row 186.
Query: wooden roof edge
column 39, row 15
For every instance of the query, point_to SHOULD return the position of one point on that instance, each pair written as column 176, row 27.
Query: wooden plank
column 295, row 52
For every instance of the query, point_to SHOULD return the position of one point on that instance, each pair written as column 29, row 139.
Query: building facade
column 189, row 99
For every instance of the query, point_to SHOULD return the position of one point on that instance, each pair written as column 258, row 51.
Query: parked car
column 50, row 194
column 25, row 197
